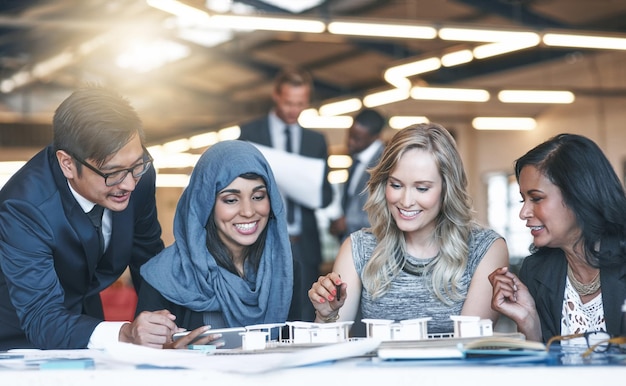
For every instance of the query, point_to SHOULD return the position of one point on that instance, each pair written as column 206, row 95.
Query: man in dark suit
column 365, row 148
column 54, row 258
column 280, row 130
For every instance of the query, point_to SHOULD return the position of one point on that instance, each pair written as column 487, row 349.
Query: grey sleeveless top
column 408, row 296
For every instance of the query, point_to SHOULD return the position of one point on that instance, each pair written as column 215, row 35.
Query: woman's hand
column 512, row 299
column 193, row 337
column 328, row 295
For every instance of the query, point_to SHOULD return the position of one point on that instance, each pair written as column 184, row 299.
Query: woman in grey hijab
column 231, row 263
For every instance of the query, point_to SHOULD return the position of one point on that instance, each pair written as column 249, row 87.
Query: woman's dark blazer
column 544, row 273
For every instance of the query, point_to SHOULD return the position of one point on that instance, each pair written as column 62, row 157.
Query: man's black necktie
column 346, row 187
column 289, row 202
column 95, row 215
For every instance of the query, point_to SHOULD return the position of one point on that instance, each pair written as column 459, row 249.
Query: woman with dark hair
column 575, row 280
column 230, row 264
column 424, row 255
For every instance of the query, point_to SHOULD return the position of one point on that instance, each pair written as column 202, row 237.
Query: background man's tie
column 290, row 204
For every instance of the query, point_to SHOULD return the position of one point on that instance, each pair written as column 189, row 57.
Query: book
column 503, row 346
column 459, row 348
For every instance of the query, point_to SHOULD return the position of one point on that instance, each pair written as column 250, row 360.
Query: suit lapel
column 551, row 301
column 76, row 218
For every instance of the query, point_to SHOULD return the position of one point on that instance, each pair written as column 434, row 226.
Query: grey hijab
column 187, row 274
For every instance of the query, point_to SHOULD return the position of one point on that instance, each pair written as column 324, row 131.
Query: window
column 503, row 207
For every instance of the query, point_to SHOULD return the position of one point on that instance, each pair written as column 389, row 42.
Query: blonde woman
column 424, row 255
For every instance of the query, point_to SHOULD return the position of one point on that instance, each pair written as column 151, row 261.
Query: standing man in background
column 55, row 257
column 280, row 130
column 365, row 148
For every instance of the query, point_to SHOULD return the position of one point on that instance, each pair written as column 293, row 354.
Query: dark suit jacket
column 545, row 272
column 312, row 144
column 50, row 271
column 356, row 217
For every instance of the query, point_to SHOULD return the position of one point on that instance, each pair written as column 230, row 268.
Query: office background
column 194, row 69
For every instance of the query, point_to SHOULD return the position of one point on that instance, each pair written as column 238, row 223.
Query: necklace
column 584, row 289
column 418, row 269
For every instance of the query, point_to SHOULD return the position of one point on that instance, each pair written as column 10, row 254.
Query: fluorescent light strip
column 450, row 94
column 171, row 180
column 203, row 140
column 176, row 146
column 397, row 75
column 385, row 97
column 456, row 58
column 481, row 35
column 394, row 30
column 584, row 41
column 382, row 30
column 339, row 161
column 340, row 122
column 227, row 133
column 175, row 160
column 398, row 122
column 503, row 123
column 535, row 96
column 338, row 176
column 499, row 48
column 340, row 107
column 248, row 23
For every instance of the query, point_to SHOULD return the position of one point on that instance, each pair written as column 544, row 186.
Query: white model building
column 471, row 326
column 417, row 329
column 385, row 329
column 307, row 332
column 257, row 336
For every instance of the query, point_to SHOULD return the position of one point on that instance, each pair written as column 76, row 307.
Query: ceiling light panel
column 536, row 96
column 382, row 30
column 584, row 41
column 450, row 94
column 504, row 123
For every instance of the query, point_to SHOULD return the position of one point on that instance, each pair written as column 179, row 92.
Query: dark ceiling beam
column 514, row 10
column 270, row 71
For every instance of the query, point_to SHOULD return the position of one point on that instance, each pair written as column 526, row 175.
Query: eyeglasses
column 116, row 177
column 597, row 341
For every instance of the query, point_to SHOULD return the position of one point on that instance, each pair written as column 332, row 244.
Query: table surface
column 348, row 371
column 123, row 367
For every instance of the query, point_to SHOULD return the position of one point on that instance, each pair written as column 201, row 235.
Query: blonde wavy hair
column 453, row 223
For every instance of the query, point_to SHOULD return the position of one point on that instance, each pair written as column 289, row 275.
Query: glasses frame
column 596, row 347
column 614, row 341
column 147, row 164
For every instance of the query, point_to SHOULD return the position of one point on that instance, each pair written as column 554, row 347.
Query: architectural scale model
column 259, row 337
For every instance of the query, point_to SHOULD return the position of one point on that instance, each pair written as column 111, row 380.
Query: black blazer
column 51, row 272
column 545, row 272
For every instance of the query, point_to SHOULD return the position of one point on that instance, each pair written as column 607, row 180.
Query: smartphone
column 230, row 336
